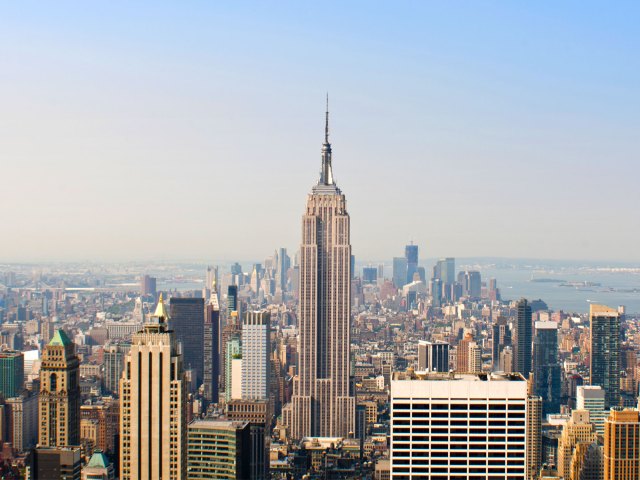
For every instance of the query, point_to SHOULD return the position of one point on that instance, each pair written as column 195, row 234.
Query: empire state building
column 322, row 403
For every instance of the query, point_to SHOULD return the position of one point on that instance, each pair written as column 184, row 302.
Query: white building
column 591, row 398
column 256, row 351
column 446, row 426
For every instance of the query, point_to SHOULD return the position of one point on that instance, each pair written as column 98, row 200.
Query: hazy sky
column 192, row 130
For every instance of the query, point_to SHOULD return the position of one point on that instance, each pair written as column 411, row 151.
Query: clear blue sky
column 193, row 129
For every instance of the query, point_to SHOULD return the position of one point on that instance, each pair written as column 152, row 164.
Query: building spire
column 326, row 174
column 326, row 124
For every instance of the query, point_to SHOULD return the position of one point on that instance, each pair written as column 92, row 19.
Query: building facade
column 458, row 426
column 256, row 354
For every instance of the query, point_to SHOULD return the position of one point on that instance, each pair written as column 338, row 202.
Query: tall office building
column 187, row 322
column 153, row 427
column 59, row 400
column 591, row 398
column 211, row 341
column 11, row 373
column 411, row 254
column 522, row 339
column 622, row 445
column 232, row 299
column 471, row 282
column 256, row 354
column 605, row 352
column 458, row 426
column 218, row 449
column 433, row 357
column 399, row 271
column 322, row 403
column 546, row 366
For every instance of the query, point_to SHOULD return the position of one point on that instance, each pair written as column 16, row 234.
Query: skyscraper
column 59, row 400
column 399, row 271
column 411, row 254
column 187, row 322
column 256, row 351
column 577, row 430
column 11, row 373
column 605, row 352
column 153, row 426
column 501, row 338
column 522, row 339
column 546, row 367
column 211, row 357
column 322, row 403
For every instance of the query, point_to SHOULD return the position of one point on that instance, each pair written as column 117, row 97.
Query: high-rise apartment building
column 622, row 445
column 59, row 400
column 256, row 354
column 11, row 373
column 323, row 403
column 458, row 426
column 522, row 339
column 153, row 427
column 433, row 357
column 218, row 449
column 546, row 366
column 187, row 322
column 211, row 343
column 605, row 352
column 591, row 398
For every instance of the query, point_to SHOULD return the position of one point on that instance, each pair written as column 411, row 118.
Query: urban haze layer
column 314, row 364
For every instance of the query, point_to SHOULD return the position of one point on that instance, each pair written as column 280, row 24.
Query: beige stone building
column 153, row 423
column 622, row 445
column 577, row 430
column 59, row 399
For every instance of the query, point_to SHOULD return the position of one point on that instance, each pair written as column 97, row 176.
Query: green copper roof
column 60, row 339
column 98, row 460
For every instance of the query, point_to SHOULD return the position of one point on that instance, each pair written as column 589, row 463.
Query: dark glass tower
column 546, row 368
column 211, row 358
column 187, row 321
column 522, row 339
column 605, row 352
column 411, row 254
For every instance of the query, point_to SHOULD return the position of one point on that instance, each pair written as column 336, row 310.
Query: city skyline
column 458, row 119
